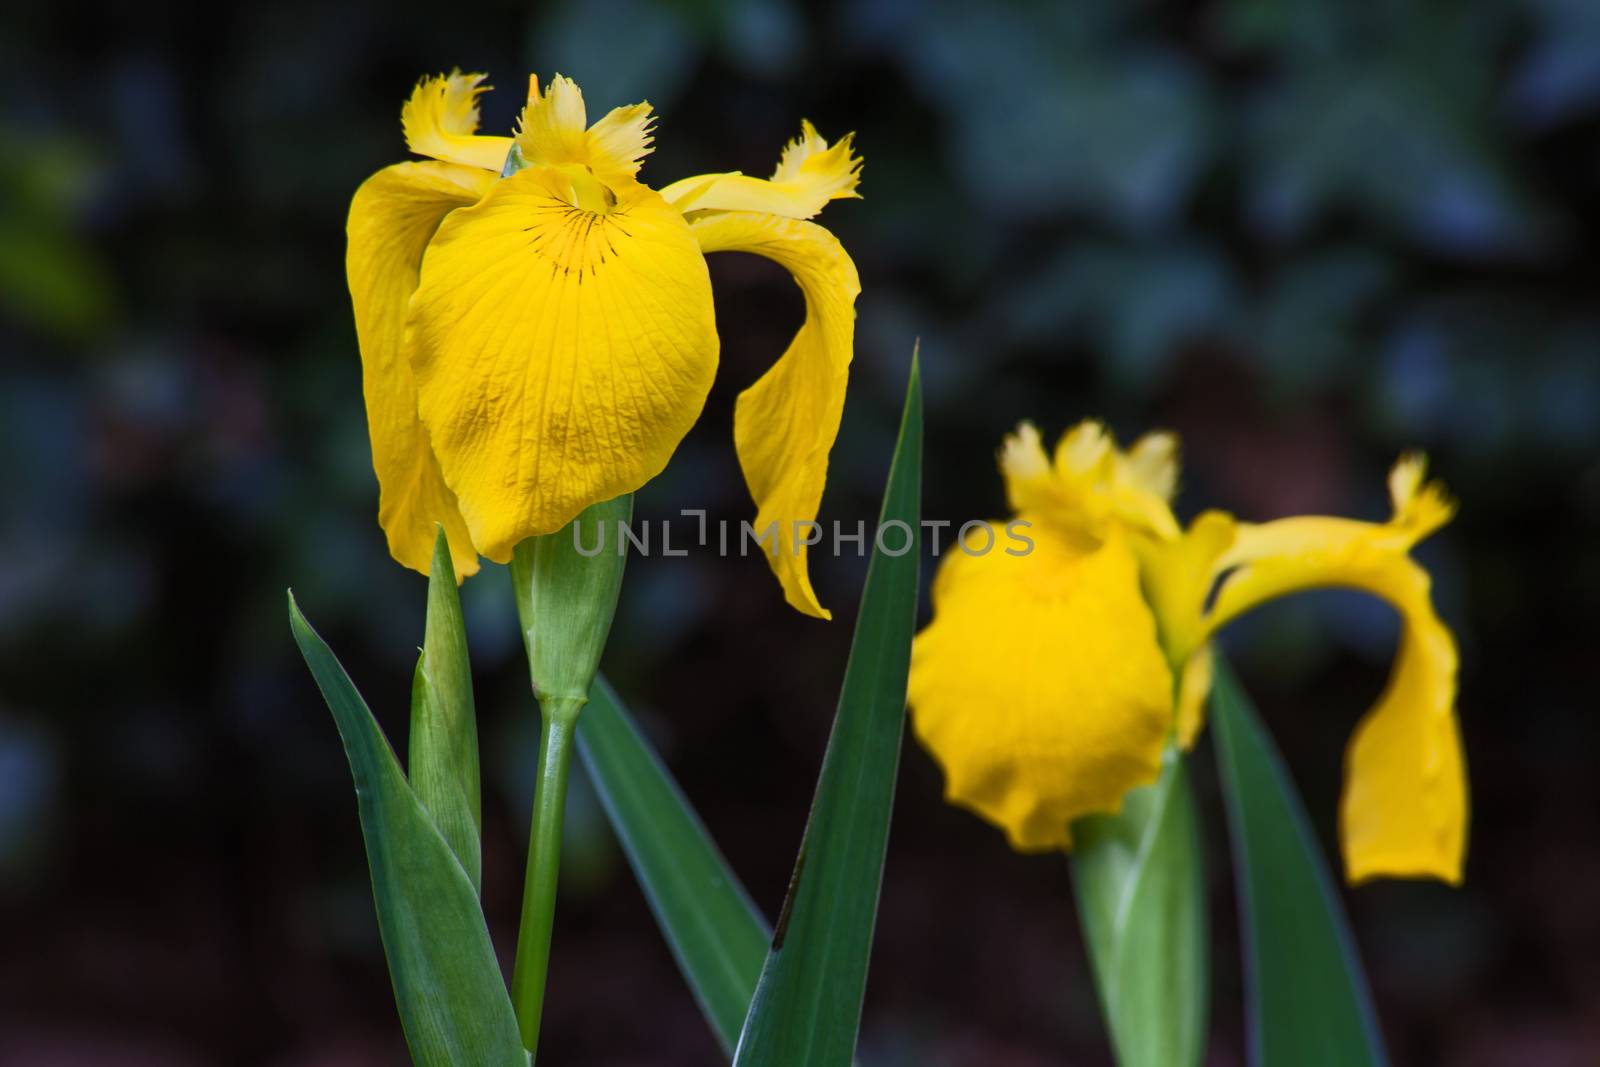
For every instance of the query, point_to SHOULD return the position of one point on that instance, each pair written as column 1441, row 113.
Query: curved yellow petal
column 810, row 174
column 1039, row 685
column 1405, row 806
column 441, row 120
column 560, row 354
column 784, row 425
column 1420, row 508
column 392, row 217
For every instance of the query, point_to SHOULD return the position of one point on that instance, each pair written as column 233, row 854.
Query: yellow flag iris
column 1045, row 682
column 540, row 342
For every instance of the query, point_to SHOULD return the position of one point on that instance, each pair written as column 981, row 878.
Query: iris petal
column 553, row 131
column 785, row 424
column 1405, row 806
column 560, row 354
column 441, row 120
column 1039, row 684
column 392, row 217
column 810, row 174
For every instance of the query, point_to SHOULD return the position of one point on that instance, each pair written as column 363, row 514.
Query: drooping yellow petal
column 392, row 217
column 441, row 120
column 810, row 174
column 1405, row 806
column 553, row 131
column 1039, row 685
column 784, row 425
column 560, row 354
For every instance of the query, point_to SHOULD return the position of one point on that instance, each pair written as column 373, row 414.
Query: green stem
column 556, row 736
column 565, row 601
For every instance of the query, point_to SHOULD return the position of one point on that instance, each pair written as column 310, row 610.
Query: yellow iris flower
column 1044, row 684
column 536, row 343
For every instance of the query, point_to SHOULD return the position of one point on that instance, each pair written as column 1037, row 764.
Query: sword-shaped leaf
column 444, row 730
column 447, row 984
column 717, row 935
column 1308, row 998
column 807, row 1006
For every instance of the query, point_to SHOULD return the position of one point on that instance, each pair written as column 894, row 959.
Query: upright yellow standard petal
column 560, row 354
column 1039, row 684
column 441, row 120
column 1091, row 484
column 553, row 127
column 1178, row 578
column 784, row 425
column 553, row 131
column 1405, row 806
column 810, row 174
column 393, row 215
column 619, row 142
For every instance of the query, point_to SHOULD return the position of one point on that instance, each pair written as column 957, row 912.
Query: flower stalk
column 1139, row 879
column 565, row 603
column 557, row 732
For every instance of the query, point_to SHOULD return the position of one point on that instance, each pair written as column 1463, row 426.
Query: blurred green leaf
column 716, row 933
column 51, row 279
column 1309, row 1002
column 52, row 276
column 447, row 983
column 444, row 731
column 807, row 1006
column 1141, row 892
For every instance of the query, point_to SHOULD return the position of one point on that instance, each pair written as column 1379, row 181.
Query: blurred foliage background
column 1306, row 235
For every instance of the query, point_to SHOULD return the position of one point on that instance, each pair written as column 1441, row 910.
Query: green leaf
column 444, row 730
column 1141, row 892
column 1309, row 1002
column 447, row 984
column 717, row 935
column 807, row 1006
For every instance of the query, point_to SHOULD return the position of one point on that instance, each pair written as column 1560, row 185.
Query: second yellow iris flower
column 536, row 343
column 1045, row 682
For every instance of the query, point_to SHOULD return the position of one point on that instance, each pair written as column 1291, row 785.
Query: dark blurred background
column 1306, row 235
